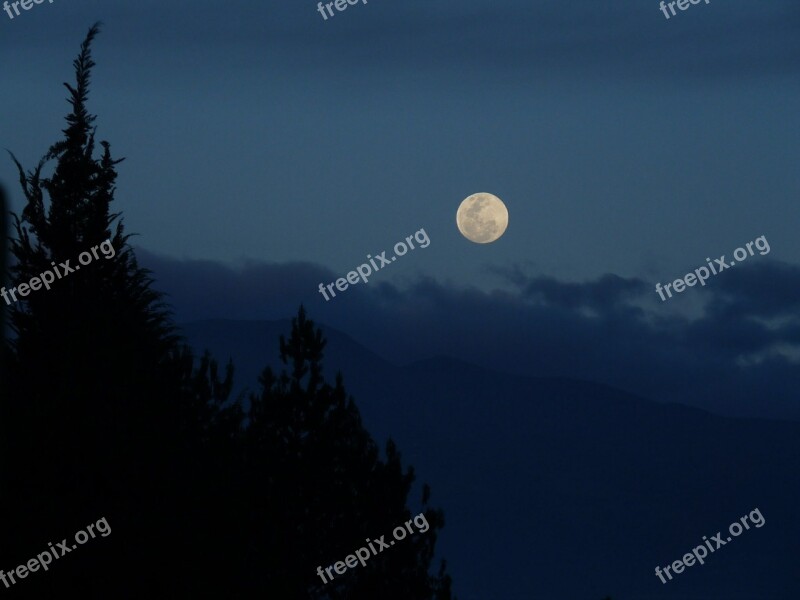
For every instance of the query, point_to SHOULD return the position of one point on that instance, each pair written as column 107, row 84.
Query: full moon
column 482, row 218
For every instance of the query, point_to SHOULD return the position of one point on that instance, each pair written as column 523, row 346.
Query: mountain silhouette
column 563, row 488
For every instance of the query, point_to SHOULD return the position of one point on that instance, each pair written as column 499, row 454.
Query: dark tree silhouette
column 110, row 415
column 4, row 350
column 323, row 475
column 95, row 370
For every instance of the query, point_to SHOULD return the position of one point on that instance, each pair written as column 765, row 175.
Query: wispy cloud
column 738, row 355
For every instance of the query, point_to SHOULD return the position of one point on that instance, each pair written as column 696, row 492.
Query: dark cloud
column 627, row 38
column 630, row 37
column 737, row 356
column 609, row 292
column 769, row 291
column 620, row 38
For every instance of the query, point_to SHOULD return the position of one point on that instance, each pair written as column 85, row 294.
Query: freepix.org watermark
column 362, row 554
column 48, row 277
column 699, row 553
column 682, row 4
column 364, row 271
column 61, row 548
column 339, row 4
column 25, row 4
column 701, row 274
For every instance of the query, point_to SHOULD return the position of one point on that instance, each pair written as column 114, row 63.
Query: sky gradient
column 268, row 150
column 539, row 383
column 621, row 142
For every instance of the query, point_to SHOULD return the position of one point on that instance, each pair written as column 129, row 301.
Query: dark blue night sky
column 268, row 150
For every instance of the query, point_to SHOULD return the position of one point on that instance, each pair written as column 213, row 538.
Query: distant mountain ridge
column 602, row 485
column 254, row 344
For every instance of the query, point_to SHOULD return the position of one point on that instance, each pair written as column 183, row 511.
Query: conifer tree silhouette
column 4, row 350
column 110, row 415
column 96, row 384
column 324, row 479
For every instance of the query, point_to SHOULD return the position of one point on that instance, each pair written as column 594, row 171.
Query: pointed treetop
column 79, row 120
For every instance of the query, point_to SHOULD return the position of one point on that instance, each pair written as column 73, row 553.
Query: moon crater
column 482, row 218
